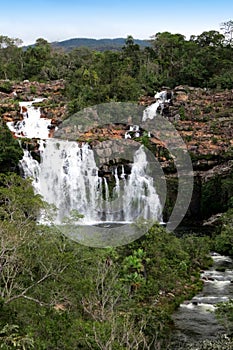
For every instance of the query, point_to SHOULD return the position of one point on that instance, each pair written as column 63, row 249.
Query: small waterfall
column 32, row 125
column 67, row 177
column 151, row 111
column 30, row 168
column 140, row 192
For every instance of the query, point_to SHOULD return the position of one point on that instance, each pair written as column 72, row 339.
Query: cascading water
column 195, row 319
column 150, row 111
column 67, row 176
column 32, row 125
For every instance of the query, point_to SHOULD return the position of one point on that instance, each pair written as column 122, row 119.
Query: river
column 195, row 319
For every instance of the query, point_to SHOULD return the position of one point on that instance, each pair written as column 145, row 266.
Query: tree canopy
column 94, row 76
column 10, row 150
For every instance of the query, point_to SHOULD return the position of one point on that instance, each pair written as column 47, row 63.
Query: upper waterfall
column 32, row 125
column 150, row 111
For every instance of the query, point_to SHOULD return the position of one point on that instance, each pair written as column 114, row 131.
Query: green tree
column 10, row 150
column 169, row 49
column 210, row 55
column 224, row 240
column 37, row 60
column 10, row 338
column 11, row 60
column 227, row 28
column 132, row 55
column 209, row 38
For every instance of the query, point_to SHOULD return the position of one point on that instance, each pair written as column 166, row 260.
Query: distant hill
column 96, row 44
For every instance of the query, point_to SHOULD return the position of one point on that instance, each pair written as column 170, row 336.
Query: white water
column 151, row 111
column 133, row 131
column 67, row 176
column 195, row 319
column 32, row 125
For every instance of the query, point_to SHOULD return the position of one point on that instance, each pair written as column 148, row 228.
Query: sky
column 57, row 20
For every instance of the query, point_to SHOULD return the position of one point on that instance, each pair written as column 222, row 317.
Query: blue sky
column 60, row 20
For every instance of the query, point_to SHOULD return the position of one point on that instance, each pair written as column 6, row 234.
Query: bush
column 6, row 86
column 10, row 150
column 224, row 241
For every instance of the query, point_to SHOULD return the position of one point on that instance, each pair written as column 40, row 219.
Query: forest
column 57, row 294
column 94, row 77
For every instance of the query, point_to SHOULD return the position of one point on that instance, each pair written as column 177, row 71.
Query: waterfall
column 140, row 192
column 32, row 125
column 150, row 111
column 67, row 177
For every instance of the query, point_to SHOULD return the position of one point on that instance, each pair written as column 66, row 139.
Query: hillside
column 96, row 44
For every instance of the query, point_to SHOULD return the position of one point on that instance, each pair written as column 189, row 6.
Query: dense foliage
column 57, row 294
column 217, row 195
column 100, row 76
column 10, row 151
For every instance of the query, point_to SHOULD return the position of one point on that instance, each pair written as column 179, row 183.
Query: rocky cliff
column 203, row 118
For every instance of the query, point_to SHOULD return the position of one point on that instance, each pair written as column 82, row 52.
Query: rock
column 180, row 88
column 181, row 97
column 213, row 220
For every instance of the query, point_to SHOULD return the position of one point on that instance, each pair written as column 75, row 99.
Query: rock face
column 203, row 118
column 54, row 105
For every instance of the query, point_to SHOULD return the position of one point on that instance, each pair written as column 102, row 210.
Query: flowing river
column 195, row 319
